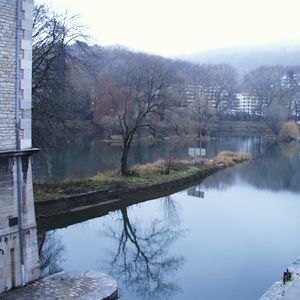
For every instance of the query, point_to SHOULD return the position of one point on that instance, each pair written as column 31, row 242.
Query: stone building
column 18, row 239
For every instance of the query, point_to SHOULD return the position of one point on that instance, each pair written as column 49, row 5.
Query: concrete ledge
column 22, row 152
column 88, row 285
column 288, row 291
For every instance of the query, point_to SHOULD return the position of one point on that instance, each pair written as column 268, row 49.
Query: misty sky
column 175, row 27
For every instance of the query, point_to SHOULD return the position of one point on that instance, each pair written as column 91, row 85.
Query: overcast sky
column 175, row 27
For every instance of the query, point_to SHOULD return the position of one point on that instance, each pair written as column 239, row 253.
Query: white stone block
column 26, row 144
column 26, row 44
column 26, row 24
column 26, row 64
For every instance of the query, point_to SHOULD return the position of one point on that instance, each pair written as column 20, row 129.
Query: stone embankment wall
column 288, row 291
column 117, row 198
column 17, row 217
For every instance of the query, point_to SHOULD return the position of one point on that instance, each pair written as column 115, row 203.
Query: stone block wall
column 16, row 81
column 8, row 74
column 10, row 274
column 26, row 71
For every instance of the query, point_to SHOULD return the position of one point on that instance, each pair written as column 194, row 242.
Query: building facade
column 217, row 99
column 19, row 262
column 246, row 102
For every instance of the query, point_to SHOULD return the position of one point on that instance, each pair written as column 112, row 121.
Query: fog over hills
column 245, row 59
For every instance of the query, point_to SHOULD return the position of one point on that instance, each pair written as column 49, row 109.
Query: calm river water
column 230, row 237
column 85, row 157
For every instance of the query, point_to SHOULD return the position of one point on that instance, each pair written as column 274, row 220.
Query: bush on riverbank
column 147, row 174
column 289, row 131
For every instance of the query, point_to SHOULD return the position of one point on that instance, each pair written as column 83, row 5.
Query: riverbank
column 160, row 177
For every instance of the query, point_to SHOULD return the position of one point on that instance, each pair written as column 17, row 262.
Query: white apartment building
column 246, row 103
column 212, row 96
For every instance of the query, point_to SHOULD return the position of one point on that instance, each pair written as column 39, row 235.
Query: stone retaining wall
column 67, row 204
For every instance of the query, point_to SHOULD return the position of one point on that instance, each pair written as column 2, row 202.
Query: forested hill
column 245, row 59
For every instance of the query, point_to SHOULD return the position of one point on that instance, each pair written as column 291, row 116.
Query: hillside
column 245, row 59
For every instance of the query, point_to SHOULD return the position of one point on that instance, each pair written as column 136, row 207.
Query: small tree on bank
column 132, row 94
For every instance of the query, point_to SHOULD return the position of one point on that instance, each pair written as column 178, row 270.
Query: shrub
column 289, row 131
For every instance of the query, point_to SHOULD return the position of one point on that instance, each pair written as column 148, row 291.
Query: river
column 229, row 237
column 85, row 157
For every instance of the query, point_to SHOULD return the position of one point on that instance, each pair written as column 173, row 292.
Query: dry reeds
column 289, row 131
column 156, row 167
column 229, row 158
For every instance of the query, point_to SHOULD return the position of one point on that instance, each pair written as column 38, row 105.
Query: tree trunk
column 199, row 132
column 124, row 157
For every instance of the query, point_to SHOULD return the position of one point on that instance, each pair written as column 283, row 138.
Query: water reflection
column 276, row 169
column 141, row 261
column 89, row 155
column 220, row 181
column 138, row 255
column 195, row 191
column 52, row 253
column 226, row 252
column 171, row 210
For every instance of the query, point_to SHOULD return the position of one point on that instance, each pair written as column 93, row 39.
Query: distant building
column 295, row 105
column 212, row 97
column 290, row 80
column 246, row 102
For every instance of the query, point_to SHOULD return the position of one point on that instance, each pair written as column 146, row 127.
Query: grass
column 147, row 174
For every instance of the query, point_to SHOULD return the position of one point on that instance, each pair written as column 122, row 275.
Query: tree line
column 134, row 94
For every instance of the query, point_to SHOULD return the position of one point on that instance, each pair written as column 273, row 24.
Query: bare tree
column 221, row 82
column 210, row 92
column 274, row 88
column 133, row 95
column 51, row 36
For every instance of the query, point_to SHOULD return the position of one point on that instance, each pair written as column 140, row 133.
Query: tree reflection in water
column 171, row 210
column 276, row 169
column 142, row 262
column 220, row 181
column 51, row 254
